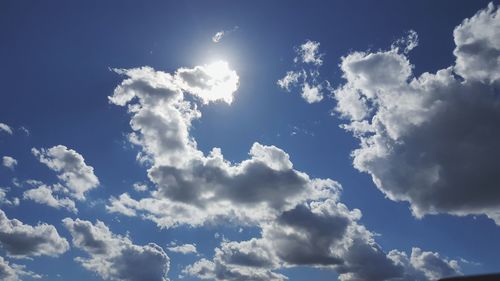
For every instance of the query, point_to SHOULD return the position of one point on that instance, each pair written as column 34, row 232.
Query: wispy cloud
column 223, row 33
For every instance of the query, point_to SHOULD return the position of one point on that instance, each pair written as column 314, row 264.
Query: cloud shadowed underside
column 431, row 140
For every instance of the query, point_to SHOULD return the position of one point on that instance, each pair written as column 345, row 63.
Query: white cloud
column 43, row 194
column 4, row 127
column 223, row 33
column 218, row 36
column 305, row 77
column 194, row 187
column 115, row 257
column 71, row 168
column 430, row 140
column 140, row 187
column 290, row 80
column 211, row 82
column 309, row 53
column 478, row 46
column 302, row 222
column 323, row 234
column 15, row 272
column 311, row 93
column 20, row 240
column 407, row 43
column 9, row 162
column 3, row 198
column 183, row 249
column 432, row 265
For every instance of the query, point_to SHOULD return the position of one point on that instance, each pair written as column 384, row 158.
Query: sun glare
column 220, row 82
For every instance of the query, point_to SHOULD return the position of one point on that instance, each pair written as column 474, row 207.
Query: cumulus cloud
column 115, row 257
column 302, row 221
column 478, row 46
column 5, row 201
column 311, row 93
column 15, row 272
column 195, row 187
column 212, row 82
column 324, row 234
column 20, row 240
column 5, row 128
column 9, row 162
column 430, row 140
column 432, row 265
column 71, row 168
column 43, row 194
column 305, row 76
column 183, row 249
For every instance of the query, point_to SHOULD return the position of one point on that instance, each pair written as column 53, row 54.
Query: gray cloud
column 115, row 257
column 195, row 187
column 323, row 234
column 20, row 240
column 478, row 47
column 430, row 140
column 302, row 221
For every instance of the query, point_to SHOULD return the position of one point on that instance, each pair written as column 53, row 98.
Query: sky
column 262, row 140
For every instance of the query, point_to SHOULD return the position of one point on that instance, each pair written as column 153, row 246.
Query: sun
column 210, row 82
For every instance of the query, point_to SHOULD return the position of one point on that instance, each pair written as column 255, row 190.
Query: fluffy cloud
column 5, row 200
column 306, row 75
column 115, row 257
column 14, row 272
column 5, row 128
column 44, row 195
column 71, row 168
column 324, row 234
column 430, row 140
column 193, row 188
column 20, row 240
column 210, row 82
column 309, row 53
column 432, row 265
column 140, row 186
column 302, row 222
column 478, row 46
column 183, row 249
column 9, row 162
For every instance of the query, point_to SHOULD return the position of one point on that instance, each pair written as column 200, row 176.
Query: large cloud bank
column 302, row 221
column 430, row 140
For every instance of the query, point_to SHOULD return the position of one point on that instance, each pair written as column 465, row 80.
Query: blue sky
column 396, row 102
